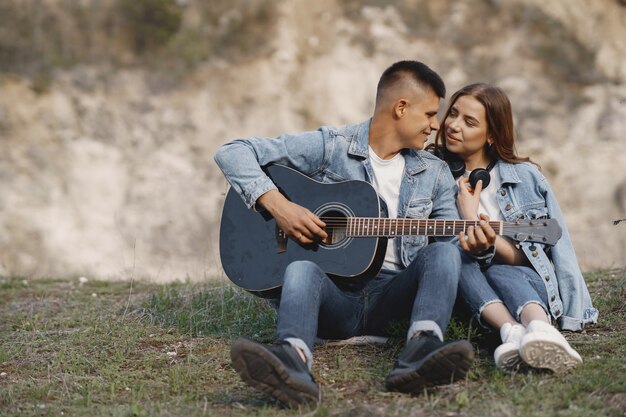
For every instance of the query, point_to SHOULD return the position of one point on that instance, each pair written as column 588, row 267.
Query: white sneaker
column 507, row 355
column 543, row 346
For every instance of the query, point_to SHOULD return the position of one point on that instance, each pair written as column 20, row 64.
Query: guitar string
column 407, row 226
column 411, row 223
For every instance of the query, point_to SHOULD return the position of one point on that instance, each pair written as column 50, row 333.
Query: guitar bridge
column 281, row 241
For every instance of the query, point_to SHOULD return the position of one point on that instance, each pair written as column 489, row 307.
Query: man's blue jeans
column 312, row 305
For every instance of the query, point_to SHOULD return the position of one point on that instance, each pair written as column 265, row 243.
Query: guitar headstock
column 547, row 231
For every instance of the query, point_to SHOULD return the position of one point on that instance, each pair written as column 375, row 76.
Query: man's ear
column 400, row 108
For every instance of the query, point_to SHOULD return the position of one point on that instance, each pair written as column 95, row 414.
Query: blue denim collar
column 360, row 147
column 415, row 163
column 360, row 144
column 508, row 174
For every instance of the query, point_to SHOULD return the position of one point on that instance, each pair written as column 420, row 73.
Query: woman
column 526, row 285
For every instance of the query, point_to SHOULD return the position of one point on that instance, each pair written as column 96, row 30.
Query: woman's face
column 466, row 129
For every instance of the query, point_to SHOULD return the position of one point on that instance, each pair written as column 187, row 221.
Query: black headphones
column 457, row 167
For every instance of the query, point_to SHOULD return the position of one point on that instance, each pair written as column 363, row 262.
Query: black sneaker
column 276, row 370
column 427, row 361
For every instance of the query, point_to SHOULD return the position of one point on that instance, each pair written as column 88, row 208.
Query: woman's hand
column 478, row 240
column 468, row 198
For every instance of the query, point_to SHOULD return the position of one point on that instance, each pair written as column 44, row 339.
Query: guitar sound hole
column 335, row 227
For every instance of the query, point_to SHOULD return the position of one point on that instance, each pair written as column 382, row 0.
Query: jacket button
column 558, row 312
column 553, row 298
column 535, row 254
column 503, row 192
column 547, row 277
column 508, row 207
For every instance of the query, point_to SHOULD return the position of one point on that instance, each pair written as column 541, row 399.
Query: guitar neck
column 383, row 227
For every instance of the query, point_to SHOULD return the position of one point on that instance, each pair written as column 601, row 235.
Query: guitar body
column 254, row 254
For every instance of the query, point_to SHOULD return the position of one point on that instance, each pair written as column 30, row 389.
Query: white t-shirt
column 387, row 178
column 488, row 203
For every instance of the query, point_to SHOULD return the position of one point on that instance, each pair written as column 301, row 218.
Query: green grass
column 116, row 349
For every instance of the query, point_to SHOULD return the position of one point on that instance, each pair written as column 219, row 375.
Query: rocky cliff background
column 111, row 111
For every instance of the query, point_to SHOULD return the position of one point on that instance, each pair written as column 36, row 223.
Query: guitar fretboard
column 384, row 227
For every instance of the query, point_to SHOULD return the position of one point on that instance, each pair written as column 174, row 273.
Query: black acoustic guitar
column 255, row 253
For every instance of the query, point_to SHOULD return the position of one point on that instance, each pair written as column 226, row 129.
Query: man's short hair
column 418, row 71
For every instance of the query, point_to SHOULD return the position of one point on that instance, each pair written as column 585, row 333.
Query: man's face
column 419, row 119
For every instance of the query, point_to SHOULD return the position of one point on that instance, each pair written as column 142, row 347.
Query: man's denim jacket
column 525, row 194
column 333, row 154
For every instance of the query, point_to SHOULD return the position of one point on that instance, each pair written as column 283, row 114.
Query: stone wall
column 106, row 162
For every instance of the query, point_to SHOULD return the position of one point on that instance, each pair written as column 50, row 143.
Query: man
column 418, row 280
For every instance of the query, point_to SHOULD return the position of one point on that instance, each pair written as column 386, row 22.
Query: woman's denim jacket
column 525, row 194
column 333, row 154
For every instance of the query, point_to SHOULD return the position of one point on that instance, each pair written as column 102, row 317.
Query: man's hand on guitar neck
column 295, row 221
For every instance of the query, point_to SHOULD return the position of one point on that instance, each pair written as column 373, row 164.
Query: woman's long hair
column 499, row 118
